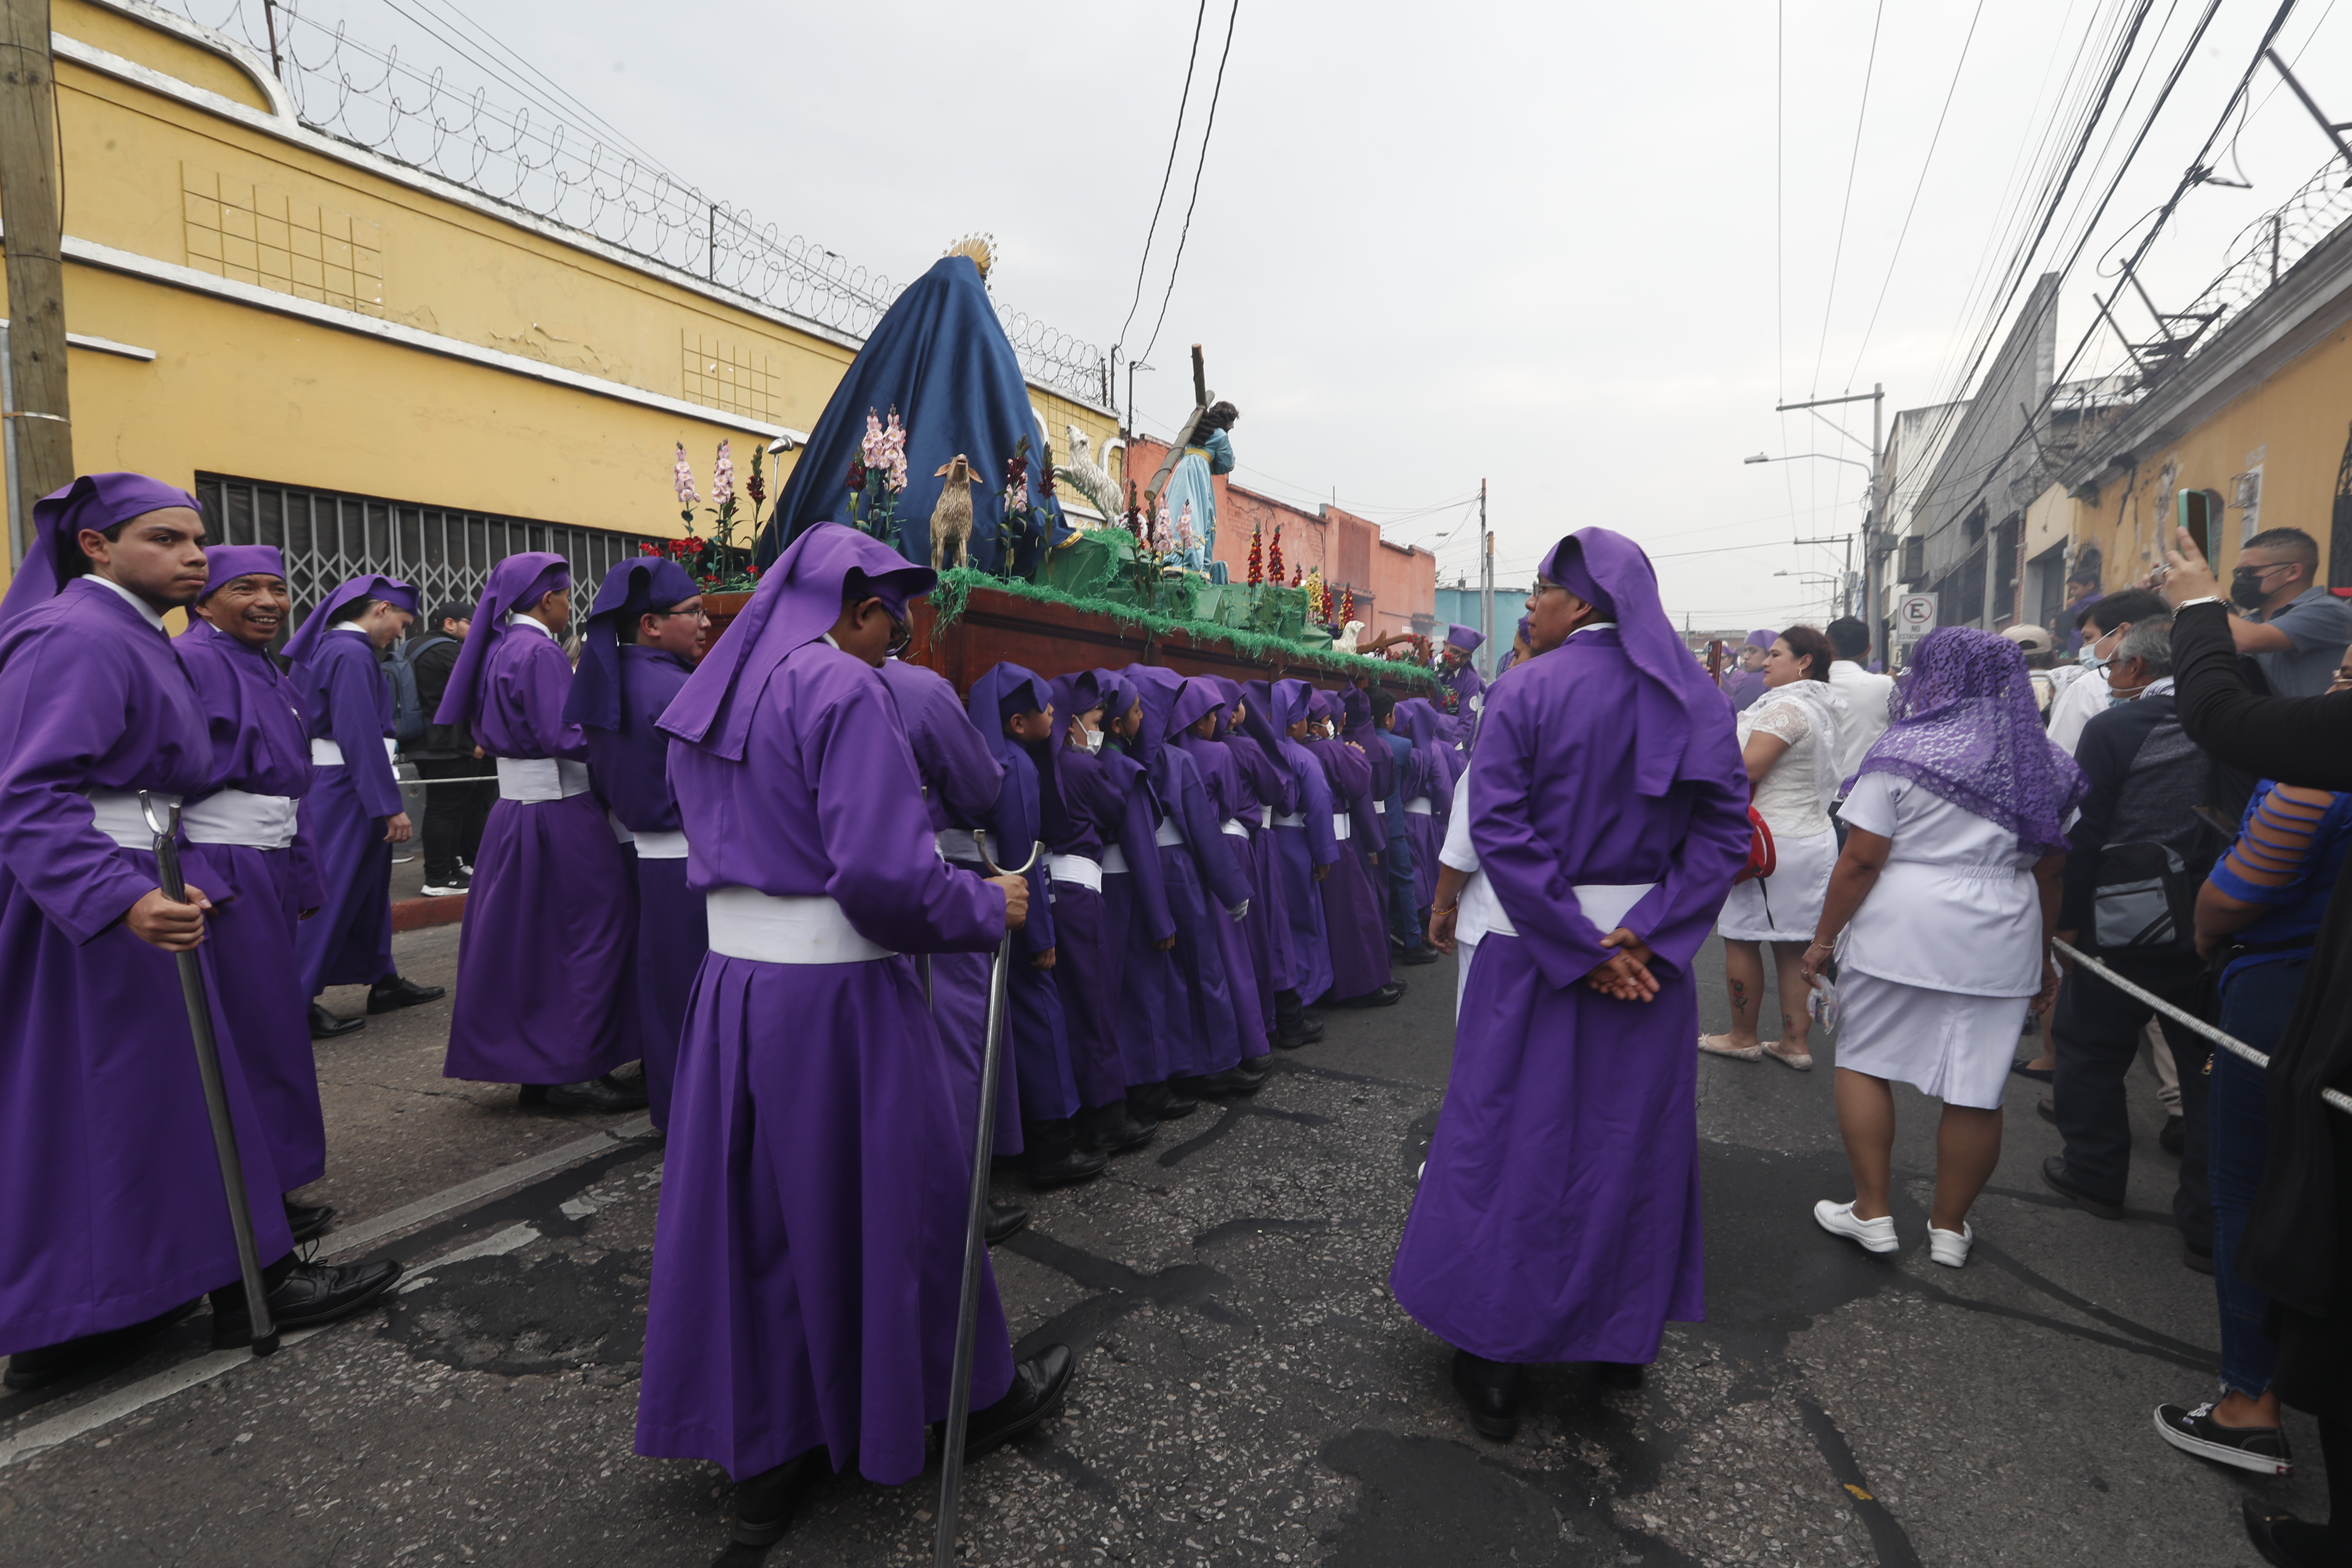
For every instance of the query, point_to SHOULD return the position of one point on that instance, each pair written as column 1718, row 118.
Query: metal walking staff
column 975, row 1245
column 200, row 1026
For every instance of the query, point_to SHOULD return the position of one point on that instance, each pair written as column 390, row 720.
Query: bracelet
column 1446, row 909
column 1831, row 946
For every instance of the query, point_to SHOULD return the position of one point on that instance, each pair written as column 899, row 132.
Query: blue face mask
column 2089, row 658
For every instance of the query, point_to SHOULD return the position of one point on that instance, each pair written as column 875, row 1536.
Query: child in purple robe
column 1352, row 906
column 1192, row 727
column 546, row 959
column 1305, row 848
column 1150, row 992
column 1558, row 1217
column 254, row 827
column 808, row 1251
column 1099, row 802
column 644, row 633
column 1401, row 864
column 1012, row 708
column 104, row 1116
column 355, row 796
column 1428, row 790
column 1265, row 791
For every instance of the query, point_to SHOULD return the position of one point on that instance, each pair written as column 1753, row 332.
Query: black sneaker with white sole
column 2262, row 1449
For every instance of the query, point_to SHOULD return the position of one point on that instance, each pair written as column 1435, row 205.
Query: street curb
column 415, row 914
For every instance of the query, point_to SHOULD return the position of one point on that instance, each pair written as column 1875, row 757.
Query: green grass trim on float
column 953, row 595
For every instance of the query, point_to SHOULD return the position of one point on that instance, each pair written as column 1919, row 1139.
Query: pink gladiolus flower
column 723, row 476
column 1020, row 501
column 683, row 475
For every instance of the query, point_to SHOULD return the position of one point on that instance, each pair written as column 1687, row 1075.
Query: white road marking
column 351, row 1239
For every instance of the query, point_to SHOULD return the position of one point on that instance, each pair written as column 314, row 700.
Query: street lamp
column 1793, row 457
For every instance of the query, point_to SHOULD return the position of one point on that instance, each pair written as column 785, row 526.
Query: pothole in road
column 514, row 1317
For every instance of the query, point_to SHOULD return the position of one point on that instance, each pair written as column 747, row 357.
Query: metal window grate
column 327, row 537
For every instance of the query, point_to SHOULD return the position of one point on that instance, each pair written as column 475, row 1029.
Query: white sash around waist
column 661, row 845
column 748, row 923
column 325, row 754
column 1265, row 817
column 1343, row 827
column 1295, row 819
column 958, row 844
column 239, row 816
column 1113, row 861
column 1078, row 869
column 535, row 780
column 1232, row 824
column 1420, row 805
column 621, row 835
column 1605, row 904
column 1168, row 833
column 118, row 817
column 1380, row 807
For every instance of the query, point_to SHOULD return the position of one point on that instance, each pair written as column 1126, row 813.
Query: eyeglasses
column 901, row 634
column 701, row 616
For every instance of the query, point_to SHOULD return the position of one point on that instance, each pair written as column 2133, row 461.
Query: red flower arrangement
column 1257, row 564
column 1274, row 559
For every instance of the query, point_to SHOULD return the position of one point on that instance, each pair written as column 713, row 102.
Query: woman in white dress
column 1940, row 917
column 1790, row 738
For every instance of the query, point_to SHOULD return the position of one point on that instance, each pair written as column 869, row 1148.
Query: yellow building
column 381, row 369
column 2260, row 411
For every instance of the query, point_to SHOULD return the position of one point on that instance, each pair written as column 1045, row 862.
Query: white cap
column 2029, row 639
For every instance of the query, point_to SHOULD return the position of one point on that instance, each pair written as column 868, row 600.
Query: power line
column 1208, row 130
column 1837, row 252
column 1175, row 141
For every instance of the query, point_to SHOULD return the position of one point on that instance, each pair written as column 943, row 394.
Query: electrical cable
column 1207, row 130
column 1175, row 141
column 1845, row 209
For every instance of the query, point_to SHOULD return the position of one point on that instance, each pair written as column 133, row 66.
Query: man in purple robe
column 546, row 959
column 644, row 633
column 1275, row 716
column 808, row 1252
column 355, row 796
column 103, row 1116
column 255, row 827
column 1143, row 895
column 960, row 778
column 1558, row 1217
column 1266, row 792
column 1460, row 671
column 1744, row 682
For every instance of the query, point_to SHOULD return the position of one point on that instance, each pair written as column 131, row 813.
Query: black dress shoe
column 1110, row 1130
column 1619, row 1374
column 1039, row 1387
column 302, row 1296
column 2054, row 1177
column 602, row 1095
column 307, row 1220
column 1388, row 995
column 1053, row 1156
column 90, row 1353
column 392, row 994
column 1491, row 1389
column 1231, row 1083
column 765, row 1504
column 1258, row 1068
column 1417, row 955
column 1003, row 1220
column 2285, row 1540
column 326, row 1026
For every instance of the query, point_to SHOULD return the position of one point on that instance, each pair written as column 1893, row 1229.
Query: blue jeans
column 2256, row 1004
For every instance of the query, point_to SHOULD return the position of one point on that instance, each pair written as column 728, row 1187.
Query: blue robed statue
column 1208, row 451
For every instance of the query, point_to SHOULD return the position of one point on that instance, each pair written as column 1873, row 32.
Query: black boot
column 1620, row 1374
column 90, row 1353
column 301, row 1296
column 1039, row 1385
column 1294, row 1025
column 326, row 1026
column 1491, row 1389
column 1158, row 1103
column 306, row 1220
column 391, row 995
column 1110, row 1130
column 1232, row 1081
column 765, row 1504
column 1005, row 1220
column 605, row 1094
column 1054, row 1158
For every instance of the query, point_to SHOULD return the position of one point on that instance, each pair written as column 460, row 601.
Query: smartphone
column 2198, row 512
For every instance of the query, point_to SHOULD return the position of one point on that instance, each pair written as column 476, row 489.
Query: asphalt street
column 1248, row 1391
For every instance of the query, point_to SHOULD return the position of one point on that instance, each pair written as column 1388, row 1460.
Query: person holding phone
column 2294, row 628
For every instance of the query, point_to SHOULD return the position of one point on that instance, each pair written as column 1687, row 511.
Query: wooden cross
column 1202, row 398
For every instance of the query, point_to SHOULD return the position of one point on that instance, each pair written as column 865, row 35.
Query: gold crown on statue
column 980, row 248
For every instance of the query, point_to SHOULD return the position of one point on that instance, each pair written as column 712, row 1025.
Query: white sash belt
column 1343, row 827
column 748, row 923
column 1113, row 860
column 1168, row 833
column 1420, row 805
column 621, row 835
column 325, row 754
column 1265, row 817
column 1605, row 904
column 1380, row 808
column 1232, row 824
column 1295, row 819
column 661, row 845
column 1078, row 869
column 958, row 844
column 237, row 816
column 535, row 780
column 118, row 817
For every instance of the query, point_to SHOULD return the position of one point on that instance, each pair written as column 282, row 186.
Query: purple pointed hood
column 94, row 500
column 227, row 562
column 518, row 581
column 391, row 590
column 1673, row 697
column 632, row 589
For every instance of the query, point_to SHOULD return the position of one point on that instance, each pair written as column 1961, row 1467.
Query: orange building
column 1396, row 586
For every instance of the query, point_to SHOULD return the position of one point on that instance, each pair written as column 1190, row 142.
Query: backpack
column 407, row 706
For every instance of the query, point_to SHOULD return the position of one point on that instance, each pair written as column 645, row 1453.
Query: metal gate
column 326, row 537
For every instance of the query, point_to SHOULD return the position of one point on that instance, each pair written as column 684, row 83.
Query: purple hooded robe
column 1145, row 896
column 101, row 1114
column 547, row 957
column 1558, row 1219
column 809, row 1249
column 961, row 777
column 261, row 747
column 1302, row 835
column 1428, row 790
column 1352, row 905
column 340, row 682
column 1221, row 776
column 1260, row 791
column 617, row 696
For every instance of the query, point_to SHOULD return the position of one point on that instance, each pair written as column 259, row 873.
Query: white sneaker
column 1870, row 1234
column 1950, row 1247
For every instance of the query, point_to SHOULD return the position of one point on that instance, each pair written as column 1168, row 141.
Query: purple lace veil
column 1964, row 728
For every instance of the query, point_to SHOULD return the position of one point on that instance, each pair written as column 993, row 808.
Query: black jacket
column 2146, row 779
column 434, row 657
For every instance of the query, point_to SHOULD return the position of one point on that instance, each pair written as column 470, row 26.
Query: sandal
column 1801, row 1063
column 1721, row 1045
column 2023, row 1068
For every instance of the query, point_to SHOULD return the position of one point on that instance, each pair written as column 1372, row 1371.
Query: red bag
column 1762, row 859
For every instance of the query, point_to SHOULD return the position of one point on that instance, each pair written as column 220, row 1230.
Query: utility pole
column 1486, row 589
column 40, row 439
column 1873, row 515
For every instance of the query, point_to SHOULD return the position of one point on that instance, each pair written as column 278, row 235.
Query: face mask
column 2246, row 589
column 1094, row 740
column 2089, row 658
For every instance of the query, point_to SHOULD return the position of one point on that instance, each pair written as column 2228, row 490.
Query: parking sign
column 1915, row 614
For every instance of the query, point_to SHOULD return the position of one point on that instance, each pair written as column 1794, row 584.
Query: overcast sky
column 1580, row 251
